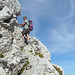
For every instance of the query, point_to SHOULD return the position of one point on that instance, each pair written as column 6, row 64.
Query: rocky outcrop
column 39, row 58
column 2, row 72
column 59, row 69
column 17, row 58
column 9, row 8
column 16, row 54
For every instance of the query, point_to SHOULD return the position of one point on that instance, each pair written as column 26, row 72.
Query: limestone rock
column 2, row 3
column 17, row 53
column 40, row 65
column 17, row 58
column 5, row 41
column 59, row 67
column 5, row 13
column 13, row 60
column 2, row 72
column 9, row 8
column 14, row 6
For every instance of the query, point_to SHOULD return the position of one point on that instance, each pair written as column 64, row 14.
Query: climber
column 26, row 29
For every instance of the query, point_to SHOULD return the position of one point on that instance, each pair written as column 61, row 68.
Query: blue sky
column 54, row 26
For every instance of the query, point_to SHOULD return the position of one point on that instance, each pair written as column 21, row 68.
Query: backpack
column 30, row 25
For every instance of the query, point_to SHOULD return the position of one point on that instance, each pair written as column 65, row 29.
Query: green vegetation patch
column 39, row 54
column 21, row 48
column 58, row 69
column 21, row 71
column 23, row 68
column 51, row 72
column 27, row 62
column 1, row 55
column 30, row 51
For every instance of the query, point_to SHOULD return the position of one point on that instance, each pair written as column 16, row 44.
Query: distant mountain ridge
column 17, row 58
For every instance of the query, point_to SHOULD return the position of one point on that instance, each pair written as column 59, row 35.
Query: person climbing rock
column 26, row 29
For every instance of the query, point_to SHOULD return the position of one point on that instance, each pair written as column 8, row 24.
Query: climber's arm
column 23, row 23
column 20, row 25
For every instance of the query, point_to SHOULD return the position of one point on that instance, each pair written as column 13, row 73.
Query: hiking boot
column 27, row 42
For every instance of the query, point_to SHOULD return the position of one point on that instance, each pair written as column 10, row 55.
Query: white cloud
column 71, row 14
column 63, row 38
column 64, row 35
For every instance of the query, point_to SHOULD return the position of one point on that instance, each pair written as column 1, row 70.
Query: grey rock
column 15, row 60
column 14, row 6
column 5, row 13
column 18, row 55
column 9, row 8
column 2, row 3
column 61, row 69
column 5, row 41
column 40, row 66
column 2, row 72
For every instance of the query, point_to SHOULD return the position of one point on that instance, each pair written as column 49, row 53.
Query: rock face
column 9, row 8
column 17, row 58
